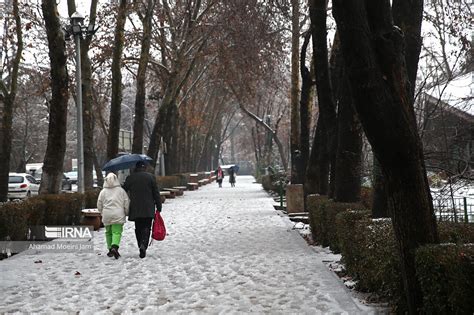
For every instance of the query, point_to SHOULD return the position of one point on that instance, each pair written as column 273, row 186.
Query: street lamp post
column 76, row 29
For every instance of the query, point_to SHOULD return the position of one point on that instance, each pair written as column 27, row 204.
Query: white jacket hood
column 111, row 180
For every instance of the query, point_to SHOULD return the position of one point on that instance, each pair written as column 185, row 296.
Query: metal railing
column 458, row 209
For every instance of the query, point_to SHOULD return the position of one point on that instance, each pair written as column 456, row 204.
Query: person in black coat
column 144, row 198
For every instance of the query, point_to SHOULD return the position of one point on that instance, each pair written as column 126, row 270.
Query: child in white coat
column 113, row 204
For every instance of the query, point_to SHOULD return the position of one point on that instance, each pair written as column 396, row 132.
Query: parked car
column 72, row 177
column 66, row 183
column 21, row 186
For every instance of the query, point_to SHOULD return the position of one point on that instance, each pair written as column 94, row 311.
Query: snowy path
column 227, row 251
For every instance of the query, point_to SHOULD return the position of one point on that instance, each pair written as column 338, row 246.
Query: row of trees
column 367, row 83
column 186, row 70
column 194, row 75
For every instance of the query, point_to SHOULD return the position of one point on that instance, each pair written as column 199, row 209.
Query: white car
column 21, row 186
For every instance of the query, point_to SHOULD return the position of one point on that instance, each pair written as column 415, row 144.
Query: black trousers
column 143, row 230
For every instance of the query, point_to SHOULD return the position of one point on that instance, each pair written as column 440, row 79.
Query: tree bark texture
column 56, row 147
column 317, row 172
column 408, row 16
column 374, row 57
column 295, row 143
column 327, row 111
column 305, row 110
column 379, row 201
column 347, row 173
column 8, row 99
column 138, row 122
column 349, row 149
column 116, row 102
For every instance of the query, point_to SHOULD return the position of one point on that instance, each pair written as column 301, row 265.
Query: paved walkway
column 228, row 251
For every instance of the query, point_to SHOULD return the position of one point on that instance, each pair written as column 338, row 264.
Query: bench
column 303, row 219
column 299, row 217
column 193, row 186
column 174, row 191
column 91, row 217
column 167, row 194
column 182, row 188
column 193, row 178
column 204, row 181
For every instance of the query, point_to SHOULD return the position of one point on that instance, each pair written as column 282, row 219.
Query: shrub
column 370, row 255
column 183, row 179
column 13, row 221
column 323, row 212
column 63, row 209
column 350, row 239
column 90, row 198
column 460, row 233
column 315, row 205
column 366, row 196
column 446, row 274
column 167, row 181
column 267, row 183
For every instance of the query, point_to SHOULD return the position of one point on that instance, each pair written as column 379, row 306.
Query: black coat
column 144, row 195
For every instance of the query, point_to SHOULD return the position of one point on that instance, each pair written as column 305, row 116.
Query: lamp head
column 77, row 19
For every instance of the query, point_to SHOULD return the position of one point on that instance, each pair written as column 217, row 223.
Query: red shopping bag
column 159, row 229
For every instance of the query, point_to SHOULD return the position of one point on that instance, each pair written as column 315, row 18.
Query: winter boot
column 110, row 254
column 114, row 251
column 144, row 241
column 138, row 235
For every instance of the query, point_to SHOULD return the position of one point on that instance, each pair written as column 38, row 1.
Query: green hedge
column 61, row 209
column 350, row 240
column 369, row 252
column 323, row 212
column 183, row 179
column 267, row 183
column 168, row 181
column 460, row 233
column 446, row 274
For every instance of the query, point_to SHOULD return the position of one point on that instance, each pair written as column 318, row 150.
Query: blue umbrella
column 236, row 168
column 124, row 162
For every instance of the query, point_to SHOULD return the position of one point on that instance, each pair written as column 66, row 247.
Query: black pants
column 143, row 230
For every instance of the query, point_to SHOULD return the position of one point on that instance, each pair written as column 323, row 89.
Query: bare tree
column 373, row 53
column 53, row 160
column 8, row 90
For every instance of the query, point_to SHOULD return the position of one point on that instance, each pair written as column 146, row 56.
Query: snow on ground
column 227, row 251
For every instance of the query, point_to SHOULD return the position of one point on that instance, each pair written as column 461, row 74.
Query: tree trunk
column 327, row 112
column 408, row 16
column 140, row 97
column 374, row 57
column 8, row 103
column 56, row 147
column 317, row 172
column 379, row 200
column 347, row 173
column 349, row 149
column 116, row 102
column 305, row 109
column 295, row 143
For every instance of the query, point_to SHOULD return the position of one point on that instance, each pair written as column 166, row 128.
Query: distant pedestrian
column 144, row 199
column 113, row 204
column 232, row 176
column 219, row 176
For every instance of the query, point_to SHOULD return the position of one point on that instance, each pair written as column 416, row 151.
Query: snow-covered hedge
column 369, row 252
